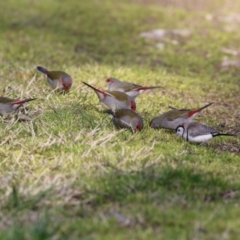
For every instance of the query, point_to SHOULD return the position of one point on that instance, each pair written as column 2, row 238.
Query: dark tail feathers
column 200, row 109
column 42, row 69
column 24, row 101
column 225, row 134
column 110, row 112
column 148, row 88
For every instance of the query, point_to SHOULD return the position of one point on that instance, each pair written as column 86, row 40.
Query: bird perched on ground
column 131, row 89
column 58, row 80
column 198, row 133
column 113, row 99
column 8, row 105
column 127, row 118
column 175, row 117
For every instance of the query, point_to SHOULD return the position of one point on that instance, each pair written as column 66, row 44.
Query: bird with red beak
column 8, row 105
column 175, row 117
column 58, row 80
column 114, row 100
column 131, row 89
column 127, row 118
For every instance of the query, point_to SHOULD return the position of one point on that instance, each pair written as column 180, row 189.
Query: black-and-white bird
column 198, row 133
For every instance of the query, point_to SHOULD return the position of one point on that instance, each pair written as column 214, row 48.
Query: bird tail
column 19, row 102
column 142, row 89
column 153, row 87
column 173, row 108
column 42, row 69
column 225, row 134
column 95, row 89
column 193, row 112
column 110, row 112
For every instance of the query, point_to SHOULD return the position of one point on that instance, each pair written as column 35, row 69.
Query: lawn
column 68, row 173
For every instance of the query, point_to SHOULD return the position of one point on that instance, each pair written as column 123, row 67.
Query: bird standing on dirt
column 127, row 118
column 175, row 117
column 58, row 80
column 198, row 133
column 114, row 100
column 131, row 89
column 8, row 105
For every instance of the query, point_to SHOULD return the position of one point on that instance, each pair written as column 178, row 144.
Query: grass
column 68, row 173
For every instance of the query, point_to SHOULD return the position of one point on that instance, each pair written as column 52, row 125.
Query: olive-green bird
column 114, row 100
column 131, row 89
column 58, row 80
column 175, row 117
column 127, row 118
column 8, row 105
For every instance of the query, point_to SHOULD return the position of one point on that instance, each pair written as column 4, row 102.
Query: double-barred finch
column 8, row 105
column 198, row 133
column 127, row 118
column 58, row 80
column 114, row 100
column 131, row 89
column 175, row 117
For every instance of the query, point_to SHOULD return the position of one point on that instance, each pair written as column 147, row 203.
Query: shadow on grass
column 154, row 193
column 159, row 185
column 152, row 185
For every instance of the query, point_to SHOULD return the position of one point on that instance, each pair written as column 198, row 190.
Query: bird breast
column 199, row 139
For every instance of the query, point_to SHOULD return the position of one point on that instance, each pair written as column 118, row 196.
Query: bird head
column 180, row 130
column 66, row 81
column 133, row 105
column 112, row 83
column 156, row 122
column 139, row 126
column 110, row 80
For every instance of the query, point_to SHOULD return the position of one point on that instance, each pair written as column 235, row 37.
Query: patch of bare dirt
column 227, row 147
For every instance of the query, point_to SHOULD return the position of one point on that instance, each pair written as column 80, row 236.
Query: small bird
column 131, row 89
column 198, row 133
column 58, row 80
column 114, row 100
column 8, row 106
column 175, row 117
column 127, row 118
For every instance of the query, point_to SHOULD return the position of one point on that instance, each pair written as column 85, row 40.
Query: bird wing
column 55, row 74
column 121, row 113
column 123, row 122
column 182, row 109
column 7, row 100
column 196, row 129
column 174, row 114
column 130, row 86
column 118, row 95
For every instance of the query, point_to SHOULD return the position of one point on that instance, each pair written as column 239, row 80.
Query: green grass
column 68, row 173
